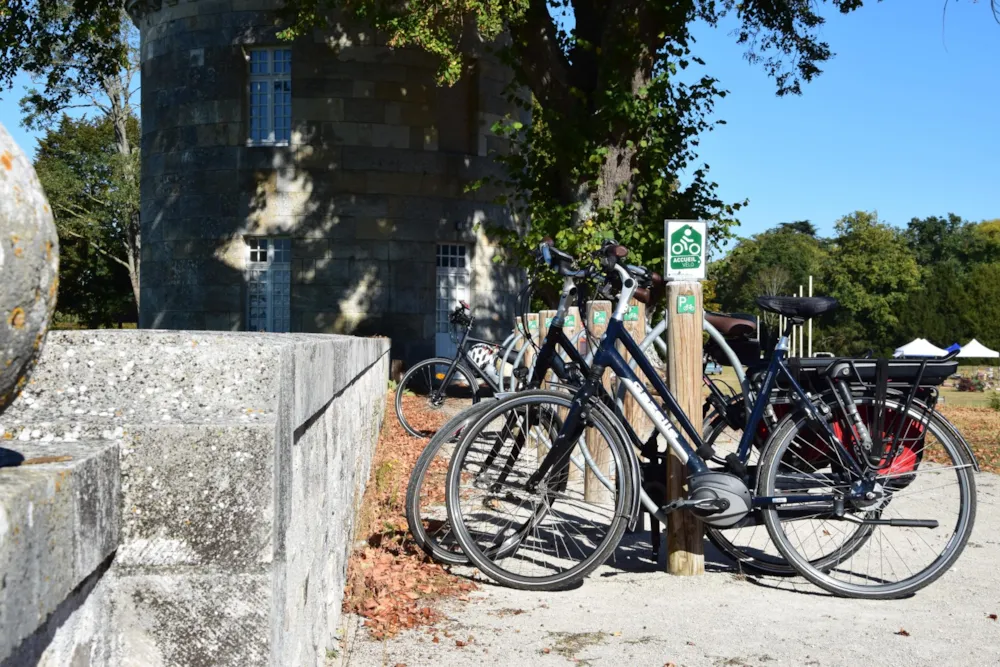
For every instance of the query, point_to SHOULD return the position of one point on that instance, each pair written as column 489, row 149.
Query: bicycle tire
column 772, row 458
column 411, row 375
column 435, row 542
column 606, row 544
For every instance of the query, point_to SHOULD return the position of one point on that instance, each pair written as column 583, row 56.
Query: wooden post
column 529, row 355
column 599, row 313
column 635, row 324
column 685, row 544
column 544, row 320
column 571, row 326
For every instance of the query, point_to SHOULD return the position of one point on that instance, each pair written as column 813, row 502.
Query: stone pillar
column 29, row 268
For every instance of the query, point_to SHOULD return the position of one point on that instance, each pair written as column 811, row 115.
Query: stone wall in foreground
column 184, row 498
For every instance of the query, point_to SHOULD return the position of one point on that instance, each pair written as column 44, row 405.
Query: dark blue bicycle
column 861, row 490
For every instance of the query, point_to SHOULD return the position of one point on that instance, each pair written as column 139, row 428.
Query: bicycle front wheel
column 426, row 397
column 550, row 534
column 426, row 512
column 918, row 503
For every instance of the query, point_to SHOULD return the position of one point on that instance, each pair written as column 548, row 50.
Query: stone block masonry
column 377, row 152
column 184, row 498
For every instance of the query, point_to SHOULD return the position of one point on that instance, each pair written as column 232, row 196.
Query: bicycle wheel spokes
column 427, row 398
column 532, row 536
column 895, row 529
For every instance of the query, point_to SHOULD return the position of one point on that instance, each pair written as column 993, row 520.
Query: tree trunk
column 116, row 88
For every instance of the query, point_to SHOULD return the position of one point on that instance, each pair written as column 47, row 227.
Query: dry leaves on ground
column 390, row 581
column 981, row 428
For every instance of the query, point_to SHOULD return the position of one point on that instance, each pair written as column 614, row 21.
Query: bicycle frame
column 608, row 356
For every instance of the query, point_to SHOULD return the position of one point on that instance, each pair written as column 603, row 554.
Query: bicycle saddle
column 797, row 306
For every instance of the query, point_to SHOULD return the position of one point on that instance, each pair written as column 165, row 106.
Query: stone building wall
column 371, row 181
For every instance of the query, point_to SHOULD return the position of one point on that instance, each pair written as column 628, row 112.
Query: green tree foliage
column 81, row 55
column 936, row 279
column 979, row 304
column 81, row 170
column 772, row 263
column 871, row 272
column 71, row 44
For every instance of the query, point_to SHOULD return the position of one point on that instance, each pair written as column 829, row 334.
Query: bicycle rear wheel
column 424, row 401
column 919, row 506
column 748, row 543
column 542, row 537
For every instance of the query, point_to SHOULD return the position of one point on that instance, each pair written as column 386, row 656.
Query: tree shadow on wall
column 362, row 190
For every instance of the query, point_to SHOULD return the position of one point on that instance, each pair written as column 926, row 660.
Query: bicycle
column 558, row 354
column 435, row 389
column 503, row 508
column 430, row 528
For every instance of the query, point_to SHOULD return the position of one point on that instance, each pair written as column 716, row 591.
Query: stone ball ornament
column 29, row 268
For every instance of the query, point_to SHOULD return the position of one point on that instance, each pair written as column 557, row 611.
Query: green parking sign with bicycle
column 685, row 249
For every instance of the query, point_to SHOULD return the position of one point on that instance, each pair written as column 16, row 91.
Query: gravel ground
column 632, row 613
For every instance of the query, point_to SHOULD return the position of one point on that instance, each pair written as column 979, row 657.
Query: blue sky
column 904, row 120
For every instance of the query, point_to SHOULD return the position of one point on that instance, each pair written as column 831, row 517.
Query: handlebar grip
column 657, row 287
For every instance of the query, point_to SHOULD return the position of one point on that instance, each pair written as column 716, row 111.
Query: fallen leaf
column 460, row 644
column 903, row 633
column 992, row 617
column 617, row 633
column 436, row 639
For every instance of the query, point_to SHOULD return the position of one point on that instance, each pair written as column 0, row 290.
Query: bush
column 995, row 401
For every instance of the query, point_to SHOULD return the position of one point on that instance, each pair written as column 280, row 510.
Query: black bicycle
column 425, row 508
column 841, row 501
column 436, row 389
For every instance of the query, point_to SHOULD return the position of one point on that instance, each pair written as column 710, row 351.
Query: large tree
column 871, row 271
column 78, row 166
column 615, row 124
column 775, row 262
column 82, row 56
column 614, row 119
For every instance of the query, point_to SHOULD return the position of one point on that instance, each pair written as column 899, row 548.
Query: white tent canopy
column 977, row 350
column 920, row 347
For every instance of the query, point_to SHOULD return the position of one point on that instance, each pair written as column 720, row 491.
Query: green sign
column 600, row 317
column 548, row 321
column 632, row 314
column 685, row 249
column 533, row 325
column 685, row 304
column 570, row 322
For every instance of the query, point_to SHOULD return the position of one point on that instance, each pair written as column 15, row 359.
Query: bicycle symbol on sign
column 686, row 245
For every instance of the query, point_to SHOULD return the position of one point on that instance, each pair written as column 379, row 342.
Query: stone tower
column 314, row 185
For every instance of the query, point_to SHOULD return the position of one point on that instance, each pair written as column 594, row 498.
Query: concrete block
column 242, row 461
column 59, row 520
